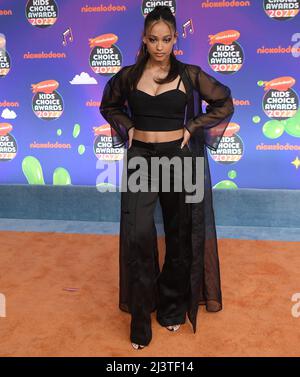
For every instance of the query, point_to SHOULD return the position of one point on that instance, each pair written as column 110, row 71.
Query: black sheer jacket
column 206, row 130
column 199, row 86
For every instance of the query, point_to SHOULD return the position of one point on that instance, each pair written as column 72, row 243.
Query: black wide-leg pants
column 171, row 286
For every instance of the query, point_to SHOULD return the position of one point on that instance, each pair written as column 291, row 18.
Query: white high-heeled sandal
column 137, row 346
column 173, row 327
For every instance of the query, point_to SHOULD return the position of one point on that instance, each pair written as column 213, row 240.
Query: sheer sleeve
column 114, row 110
column 219, row 110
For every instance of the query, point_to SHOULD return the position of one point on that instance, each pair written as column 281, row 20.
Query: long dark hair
column 165, row 14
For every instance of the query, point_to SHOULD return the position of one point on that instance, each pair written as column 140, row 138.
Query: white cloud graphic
column 8, row 114
column 83, row 78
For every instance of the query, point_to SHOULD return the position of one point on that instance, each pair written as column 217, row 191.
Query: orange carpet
column 61, row 294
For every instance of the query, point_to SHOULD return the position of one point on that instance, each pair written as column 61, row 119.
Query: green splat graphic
column 76, row 130
column 232, row 174
column 81, row 149
column 260, row 83
column 61, row 177
column 256, row 119
column 273, row 129
column 104, row 186
column 283, row 122
column 33, row 171
column 292, row 126
column 225, row 184
column 297, row 115
column 59, row 132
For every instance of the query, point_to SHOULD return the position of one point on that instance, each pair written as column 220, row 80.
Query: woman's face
column 160, row 40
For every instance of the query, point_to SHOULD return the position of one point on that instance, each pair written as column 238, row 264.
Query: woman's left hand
column 186, row 138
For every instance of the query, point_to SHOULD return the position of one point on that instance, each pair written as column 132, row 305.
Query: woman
column 154, row 109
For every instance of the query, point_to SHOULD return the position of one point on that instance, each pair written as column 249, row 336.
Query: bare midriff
column 157, row 137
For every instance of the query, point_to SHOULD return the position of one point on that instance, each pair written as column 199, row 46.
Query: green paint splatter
column 59, row 132
column 61, row 177
column 104, row 186
column 232, row 174
column 273, row 129
column 33, row 171
column 81, row 149
column 260, row 83
column 292, row 126
column 225, row 184
column 76, row 130
column 256, row 119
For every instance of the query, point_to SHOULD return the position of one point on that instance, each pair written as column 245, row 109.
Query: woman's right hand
column 130, row 136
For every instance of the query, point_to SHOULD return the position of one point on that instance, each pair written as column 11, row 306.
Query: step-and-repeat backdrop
column 57, row 55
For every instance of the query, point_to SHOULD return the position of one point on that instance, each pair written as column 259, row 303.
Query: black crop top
column 163, row 112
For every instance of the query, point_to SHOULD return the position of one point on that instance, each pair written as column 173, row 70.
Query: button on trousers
column 170, row 287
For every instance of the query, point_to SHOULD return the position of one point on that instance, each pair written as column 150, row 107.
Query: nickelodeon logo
column 44, row 55
column 278, row 50
column 6, row 12
column 103, row 8
column 208, row 4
